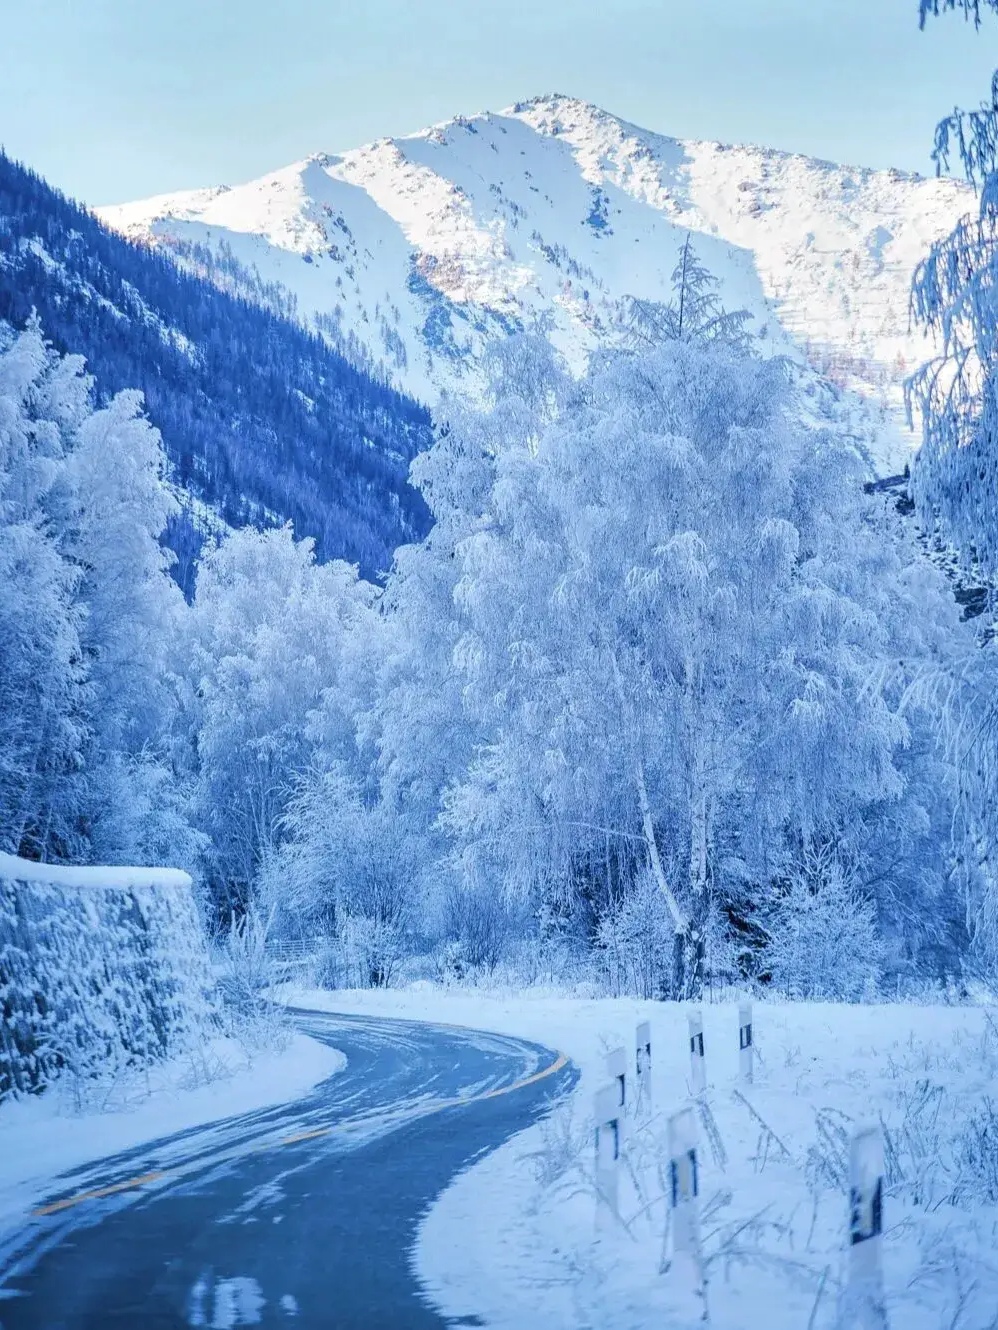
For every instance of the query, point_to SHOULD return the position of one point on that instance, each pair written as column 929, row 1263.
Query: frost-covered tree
column 971, row 9
column 272, row 635
column 661, row 608
column 955, row 479
column 694, row 313
column 346, row 869
column 421, row 730
column 44, row 691
column 88, row 613
column 121, row 505
column 956, row 476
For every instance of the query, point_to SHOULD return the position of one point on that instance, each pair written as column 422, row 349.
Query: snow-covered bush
column 366, row 952
column 243, row 963
column 636, row 943
column 976, row 1155
column 483, row 922
column 821, row 934
column 101, row 970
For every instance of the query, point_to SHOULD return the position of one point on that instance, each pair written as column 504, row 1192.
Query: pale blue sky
column 117, row 99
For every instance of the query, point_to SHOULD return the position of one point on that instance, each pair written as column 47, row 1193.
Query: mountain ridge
column 410, row 252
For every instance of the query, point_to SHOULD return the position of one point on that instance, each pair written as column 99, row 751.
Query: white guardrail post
column 745, row 1043
column 642, row 1067
column 864, row 1296
column 686, row 1256
column 698, row 1070
column 608, row 1139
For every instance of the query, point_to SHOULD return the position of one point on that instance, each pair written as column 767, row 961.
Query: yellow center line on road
column 560, row 1061
column 146, row 1179
column 55, row 1206
column 302, row 1136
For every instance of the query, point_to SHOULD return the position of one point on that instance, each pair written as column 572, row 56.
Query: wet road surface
column 302, row 1216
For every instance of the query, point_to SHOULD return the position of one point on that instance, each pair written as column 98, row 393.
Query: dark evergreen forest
column 261, row 419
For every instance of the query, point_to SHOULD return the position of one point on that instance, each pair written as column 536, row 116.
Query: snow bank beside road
column 512, row 1240
column 42, row 1138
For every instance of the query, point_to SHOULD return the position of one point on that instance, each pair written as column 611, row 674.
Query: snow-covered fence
column 293, row 958
column 100, row 969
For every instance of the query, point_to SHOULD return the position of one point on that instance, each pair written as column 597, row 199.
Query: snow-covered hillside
column 411, row 252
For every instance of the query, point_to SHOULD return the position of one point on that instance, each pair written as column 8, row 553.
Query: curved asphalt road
column 303, row 1216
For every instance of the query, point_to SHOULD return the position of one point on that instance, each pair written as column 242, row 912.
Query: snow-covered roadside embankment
column 110, row 1034
column 103, row 970
column 512, row 1240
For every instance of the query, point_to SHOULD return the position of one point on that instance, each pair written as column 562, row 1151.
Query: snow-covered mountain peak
column 411, row 252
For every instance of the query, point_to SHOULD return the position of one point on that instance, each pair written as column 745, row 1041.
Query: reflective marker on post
column 686, row 1263
column 608, row 1118
column 642, row 1064
column 745, row 1045
column 865, row 1289
column 616, row 1069
column 697, row 1065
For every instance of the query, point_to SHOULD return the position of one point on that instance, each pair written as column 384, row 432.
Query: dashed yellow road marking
column 145, row 1179
column 55, row 1206
column 303, row 1136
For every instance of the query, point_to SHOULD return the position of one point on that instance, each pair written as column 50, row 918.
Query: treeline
column 663, row 697
column 261, row 419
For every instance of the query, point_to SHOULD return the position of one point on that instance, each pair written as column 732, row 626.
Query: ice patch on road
column 238, row 1301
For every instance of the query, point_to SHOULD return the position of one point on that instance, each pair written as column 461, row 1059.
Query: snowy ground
column 513, row 1240
column 46, row 1136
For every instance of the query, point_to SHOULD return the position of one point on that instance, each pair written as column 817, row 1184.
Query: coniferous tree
column 694, row 314
column 263, row 421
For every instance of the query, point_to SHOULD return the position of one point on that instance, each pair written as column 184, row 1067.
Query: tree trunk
column 685, row 943
column 699, row 900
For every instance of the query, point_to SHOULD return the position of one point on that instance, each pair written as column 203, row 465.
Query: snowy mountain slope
column 263, row 422
column 411, row 252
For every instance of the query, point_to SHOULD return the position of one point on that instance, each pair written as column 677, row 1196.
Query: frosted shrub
column 484, row 923
column 366, row 952
column 636, row 943
column 821, row 933
column 976, row 1156
column 246, row 968
column 448, row 963
column 376, row 947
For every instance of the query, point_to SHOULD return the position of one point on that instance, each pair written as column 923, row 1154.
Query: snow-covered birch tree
column 667, row 602
column 271, row 632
